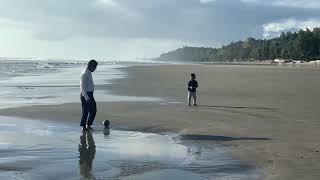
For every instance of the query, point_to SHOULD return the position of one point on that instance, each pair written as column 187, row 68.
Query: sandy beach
column 267, row 115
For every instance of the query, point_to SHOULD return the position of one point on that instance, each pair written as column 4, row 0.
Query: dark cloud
column 220, row 21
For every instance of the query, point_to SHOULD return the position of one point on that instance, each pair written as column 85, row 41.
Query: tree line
column 302, row 45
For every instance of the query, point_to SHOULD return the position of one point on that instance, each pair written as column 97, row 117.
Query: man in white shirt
column 89, row 106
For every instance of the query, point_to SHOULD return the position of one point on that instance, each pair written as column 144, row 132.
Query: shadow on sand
column 198, row 137
column 239, row 107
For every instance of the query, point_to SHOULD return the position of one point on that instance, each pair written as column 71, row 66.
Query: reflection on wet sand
column 106, row 131
column 87, row 151
column 118, row 155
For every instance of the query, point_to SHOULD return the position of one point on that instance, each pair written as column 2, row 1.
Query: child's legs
column 189, row 97
column 194, row 95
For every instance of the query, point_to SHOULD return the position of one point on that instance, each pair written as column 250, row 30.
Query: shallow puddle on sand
column 36, row 150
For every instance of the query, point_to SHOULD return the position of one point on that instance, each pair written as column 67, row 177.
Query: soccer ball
column 106, row 123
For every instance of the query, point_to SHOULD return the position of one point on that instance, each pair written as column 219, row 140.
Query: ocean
column 41, row 82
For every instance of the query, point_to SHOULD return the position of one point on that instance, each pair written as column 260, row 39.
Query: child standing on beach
column 192, row 90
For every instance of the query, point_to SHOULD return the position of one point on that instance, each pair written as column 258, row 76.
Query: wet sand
column 39, row 149
column 267, row 115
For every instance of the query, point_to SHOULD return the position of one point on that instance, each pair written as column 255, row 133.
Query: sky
column 130, row 29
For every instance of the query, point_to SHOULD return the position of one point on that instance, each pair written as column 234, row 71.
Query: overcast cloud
column 126, row 29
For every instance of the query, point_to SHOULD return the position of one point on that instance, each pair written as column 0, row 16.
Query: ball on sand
column 106, row 123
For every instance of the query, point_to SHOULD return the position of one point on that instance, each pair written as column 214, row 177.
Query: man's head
column 92, row 65
column 192, row 76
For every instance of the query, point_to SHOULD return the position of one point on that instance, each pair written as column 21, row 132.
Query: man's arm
column 84, row 86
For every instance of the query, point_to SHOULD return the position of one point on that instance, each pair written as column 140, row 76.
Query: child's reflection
column 87, row 151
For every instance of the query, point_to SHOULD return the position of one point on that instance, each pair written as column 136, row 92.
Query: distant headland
column 291, row 47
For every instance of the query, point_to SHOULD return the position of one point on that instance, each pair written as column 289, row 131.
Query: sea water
column 29, row 82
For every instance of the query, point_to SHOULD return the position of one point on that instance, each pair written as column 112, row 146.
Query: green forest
column 303, row 45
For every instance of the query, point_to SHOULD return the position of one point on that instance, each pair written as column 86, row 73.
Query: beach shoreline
column 261, row 127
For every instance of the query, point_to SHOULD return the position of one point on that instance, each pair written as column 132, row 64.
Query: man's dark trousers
column 88, row 109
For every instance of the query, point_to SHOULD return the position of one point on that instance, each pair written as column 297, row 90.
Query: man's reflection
column 87, row 151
